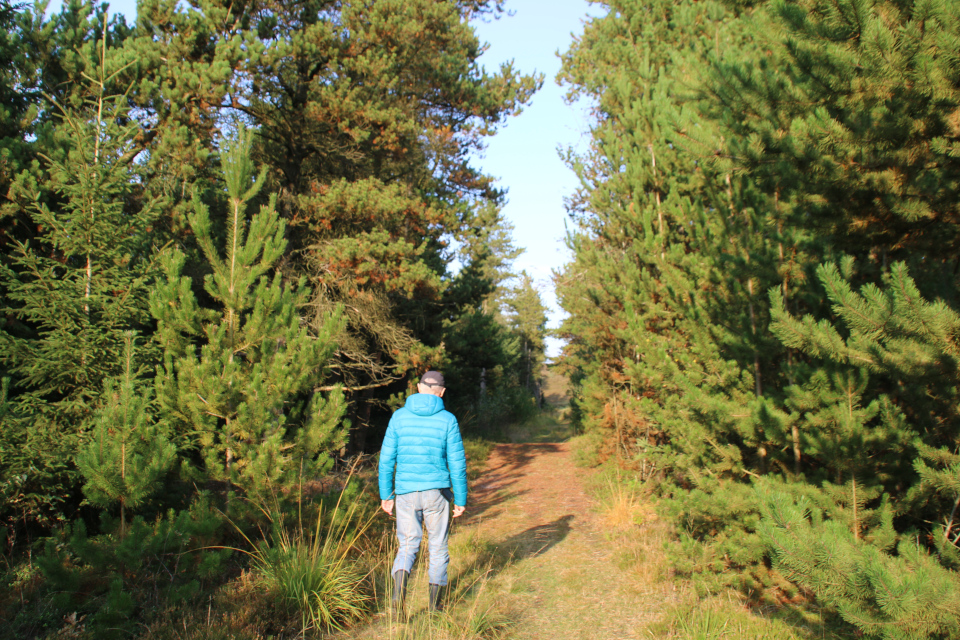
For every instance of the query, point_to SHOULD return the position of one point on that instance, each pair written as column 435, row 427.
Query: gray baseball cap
column 432, row 379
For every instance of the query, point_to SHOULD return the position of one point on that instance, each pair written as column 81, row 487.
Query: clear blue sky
column 523, row 155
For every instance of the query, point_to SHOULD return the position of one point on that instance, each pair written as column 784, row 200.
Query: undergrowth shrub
column 717, row 544
column 884, row 589
column 105, row 578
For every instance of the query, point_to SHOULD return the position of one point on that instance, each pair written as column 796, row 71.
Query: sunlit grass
column 546, row 426
column 314, row 570
column 474, row 606
column 727, row 618
column 471, row 611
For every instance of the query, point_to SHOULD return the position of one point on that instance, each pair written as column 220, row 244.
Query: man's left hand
column 458, row 510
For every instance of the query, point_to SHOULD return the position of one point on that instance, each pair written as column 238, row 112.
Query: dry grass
column 627, row 516
column 639, row 538
column 620, row 506
column 726, row 617
column 474, row 607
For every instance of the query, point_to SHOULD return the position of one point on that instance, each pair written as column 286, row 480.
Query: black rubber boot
column 399, row 589
column 435, row 604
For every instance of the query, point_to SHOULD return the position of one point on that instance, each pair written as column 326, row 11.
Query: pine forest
column 235, row 235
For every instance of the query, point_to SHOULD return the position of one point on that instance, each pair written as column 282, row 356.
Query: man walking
column 423, row 442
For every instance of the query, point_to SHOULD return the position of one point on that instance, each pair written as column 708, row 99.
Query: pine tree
column 73, row 290
column 475, row 343
column 852, row 114
column 47, row 61
column 187, row 76
column 672, row 255
column 367, row 114
column 902, row 341
column 382, row 174
column 939, row 471
column 240, row 371
column 736, row 146
column 16, row 109
column 906, row 595
column 126, row 453
column 527, row 317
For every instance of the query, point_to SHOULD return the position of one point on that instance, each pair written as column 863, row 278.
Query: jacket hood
column 424, row 404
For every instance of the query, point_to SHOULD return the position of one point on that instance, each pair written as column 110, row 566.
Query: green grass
column 546, row 426
column 710, row 621
column 727, row 618
column 477, row 450
column 315, row 571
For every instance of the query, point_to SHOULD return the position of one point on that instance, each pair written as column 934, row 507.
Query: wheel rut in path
column 563, row 579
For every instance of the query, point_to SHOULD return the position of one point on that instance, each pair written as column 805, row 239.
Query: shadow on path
column 537, row 540
column 494, row 487
column 494, row 558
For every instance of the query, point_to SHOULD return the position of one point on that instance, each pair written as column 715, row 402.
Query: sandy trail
column 531, row 502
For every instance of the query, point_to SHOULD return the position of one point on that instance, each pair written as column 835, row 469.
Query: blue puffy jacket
column 424, row 443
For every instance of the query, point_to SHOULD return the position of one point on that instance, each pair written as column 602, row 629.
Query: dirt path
column 530, row 560
column 563, row 575
column 534, row 558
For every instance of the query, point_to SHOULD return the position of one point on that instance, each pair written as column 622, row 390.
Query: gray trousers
column 415, row 510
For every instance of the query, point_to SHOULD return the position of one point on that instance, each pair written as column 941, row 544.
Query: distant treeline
column 233, row 235
column 764, row 301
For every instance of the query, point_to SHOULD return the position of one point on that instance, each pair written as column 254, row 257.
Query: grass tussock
column 314, row 574
column 319, row 572
column 621, row 506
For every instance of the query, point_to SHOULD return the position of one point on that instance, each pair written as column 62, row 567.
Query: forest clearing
column 258, row 290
